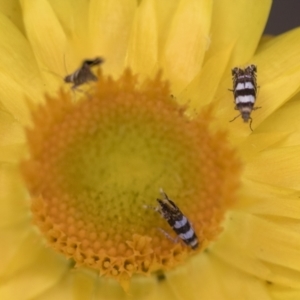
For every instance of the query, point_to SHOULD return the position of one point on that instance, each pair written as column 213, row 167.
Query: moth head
column 93, row 62
column 68, row 78
column 251, row 69
column 235, row 71
column 167, row 205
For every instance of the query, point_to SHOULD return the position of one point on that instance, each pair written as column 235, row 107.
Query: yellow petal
column 284, row 293
column 182, row 285
column 19, row 73
column 264, row 39
column 263, row 199
column 165, row 11
column 201, row 91
column 202, row 272
column 240, row 21
column 42, row 274
column 75, row 285
column 142, row 48
column 276, row 91
column 47, row 39
column 229, row 250
column 11, row 132
column 234, row 284
column 60, row 291
column 278, row 166
column 219, row 281
column 12, row 10
column 284, row 276
column 12, row 236
column 187, row 42
column 278, row 71
column 261, row 247
column 285, row 121
column 29, row 247
column 14, row 207
column 109, row 289
column 258, row 142
column 12, row 153
column 72, row 15
column 12, row 99
column 109, row 28
column 83, row 284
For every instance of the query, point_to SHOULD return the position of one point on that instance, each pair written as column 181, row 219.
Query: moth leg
column 155, row 208
column 234, row 118
column 251, row 123
column 168, row 236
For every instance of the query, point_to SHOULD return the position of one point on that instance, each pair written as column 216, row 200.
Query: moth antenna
column 65, row 65
column 162, row 192
column 53, row 73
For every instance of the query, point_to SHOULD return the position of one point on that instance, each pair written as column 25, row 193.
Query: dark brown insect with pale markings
column 84, row 73
column 176, row 219
column 244, row 91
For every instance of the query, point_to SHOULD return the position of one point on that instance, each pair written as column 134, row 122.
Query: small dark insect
column 244, row 91
column 176, row 219
column 84, row 73
column 160, row 276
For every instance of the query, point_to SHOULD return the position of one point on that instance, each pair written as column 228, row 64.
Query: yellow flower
column 58, row 152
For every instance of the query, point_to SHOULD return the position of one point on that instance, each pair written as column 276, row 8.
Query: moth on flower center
column 244, row 91
column 177, row 220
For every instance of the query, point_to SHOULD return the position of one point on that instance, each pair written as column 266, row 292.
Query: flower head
column 95, row 163
column 89, row 163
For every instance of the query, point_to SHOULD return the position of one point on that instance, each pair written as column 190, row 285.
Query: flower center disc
column 96, row 167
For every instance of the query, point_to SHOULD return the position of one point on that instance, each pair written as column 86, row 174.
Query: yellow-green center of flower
column 96, row 167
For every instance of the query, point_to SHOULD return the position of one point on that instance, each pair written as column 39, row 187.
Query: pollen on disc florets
column 95, row 164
